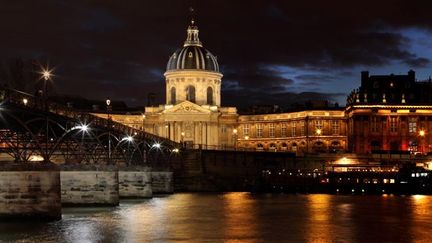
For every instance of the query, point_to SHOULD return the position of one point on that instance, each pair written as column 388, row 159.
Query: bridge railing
column 43, row 104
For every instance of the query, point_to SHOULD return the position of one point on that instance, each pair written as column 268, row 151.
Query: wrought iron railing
column 42, row 104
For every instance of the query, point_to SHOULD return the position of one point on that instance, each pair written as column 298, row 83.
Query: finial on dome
column 191, row 12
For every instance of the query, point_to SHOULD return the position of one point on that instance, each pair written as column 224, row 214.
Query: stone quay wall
column 162, row 182
column 135, row 182
column 30, row 191
column 84, row 185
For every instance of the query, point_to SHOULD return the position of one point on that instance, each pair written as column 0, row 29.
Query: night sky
column 269, row 52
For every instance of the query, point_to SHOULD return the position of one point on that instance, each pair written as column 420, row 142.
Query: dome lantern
column 193, row 56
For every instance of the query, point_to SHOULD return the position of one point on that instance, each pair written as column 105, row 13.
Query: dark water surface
column 239, row 217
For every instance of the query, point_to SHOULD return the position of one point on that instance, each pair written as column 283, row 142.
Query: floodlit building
column 192, row 113
column 390, row 113
column 387, row 113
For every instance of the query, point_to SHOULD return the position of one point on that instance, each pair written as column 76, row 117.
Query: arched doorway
column 319, row 147
column 260, row 147
column 335, row 146
column 394, row 146
column 375, row 145
column 272, row 147
column 294, row 147
column 284, row 147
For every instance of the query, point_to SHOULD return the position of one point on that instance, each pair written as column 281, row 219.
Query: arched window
column 190, row 93
column 173, row 95
column 209, row 96
column 260, row 147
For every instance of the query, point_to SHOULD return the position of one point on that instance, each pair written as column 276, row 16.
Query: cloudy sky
column 269, row 51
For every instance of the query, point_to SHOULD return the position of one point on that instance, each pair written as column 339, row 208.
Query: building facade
column 305, row 131
column 390, row 113
column 386, row 113
column 193, row 114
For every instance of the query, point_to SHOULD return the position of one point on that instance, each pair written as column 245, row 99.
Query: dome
column 193, row 55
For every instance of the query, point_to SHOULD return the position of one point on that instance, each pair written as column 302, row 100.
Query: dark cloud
column 110, row 48
column 256, row 79
column 244, row 99
column 417, row 62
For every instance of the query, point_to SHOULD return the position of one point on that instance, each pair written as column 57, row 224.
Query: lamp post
column 422, row 134
column 108, row 108
column 182, row 139
column 143, row 119
column 246, row 145
column 235, row 138
column 46, row 75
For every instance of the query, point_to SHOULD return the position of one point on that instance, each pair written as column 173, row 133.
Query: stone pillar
column 89, row 185
column 135, row 182
column 30, row 191
column 162, row 182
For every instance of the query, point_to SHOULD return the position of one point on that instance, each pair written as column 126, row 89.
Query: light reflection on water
column 239, row 217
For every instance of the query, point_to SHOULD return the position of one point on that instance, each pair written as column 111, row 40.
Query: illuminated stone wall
column 29, row 191
column 200, row 80
column 312, row 131
column 390, row 128
column 89, row 185
column 135, row 182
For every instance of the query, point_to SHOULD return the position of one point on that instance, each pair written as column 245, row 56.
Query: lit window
column 393, row 124
column 302, row 129
column 293, row 129
column 283, row 130
column 412, row 125
column 271, row 130
column 335, row 127
column 246, row 129
column 223, row 129
column 259, row 130
column 318, row 124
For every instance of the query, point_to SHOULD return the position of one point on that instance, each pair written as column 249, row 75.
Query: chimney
column 364, row 77
column 411, row 75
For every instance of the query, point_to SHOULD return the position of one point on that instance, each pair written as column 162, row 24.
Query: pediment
column 187, row 107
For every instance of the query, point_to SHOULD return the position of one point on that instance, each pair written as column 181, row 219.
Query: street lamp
column 25, row 101
column 46, row 76
column 235, row 138
column 182, row 138
column 422, row 134
column 143, row 118
column 108, row 108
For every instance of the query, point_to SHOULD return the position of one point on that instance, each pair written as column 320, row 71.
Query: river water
column 239, row 217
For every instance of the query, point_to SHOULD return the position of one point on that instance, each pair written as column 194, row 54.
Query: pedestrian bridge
column 34, row 129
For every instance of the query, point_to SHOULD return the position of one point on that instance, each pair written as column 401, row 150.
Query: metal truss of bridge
column 33, row 129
